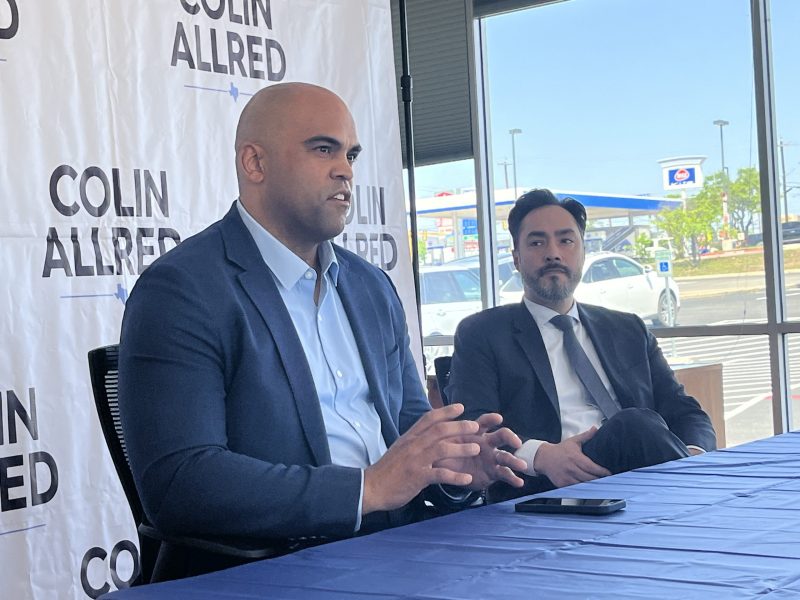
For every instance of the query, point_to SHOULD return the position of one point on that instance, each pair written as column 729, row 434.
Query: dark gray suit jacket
column 500, row 365
column 221, row 416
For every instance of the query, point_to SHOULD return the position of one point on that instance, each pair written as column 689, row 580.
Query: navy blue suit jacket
column 500, row 365
column 221, row 418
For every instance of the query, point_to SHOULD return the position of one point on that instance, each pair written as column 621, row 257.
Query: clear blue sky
column 602, row 89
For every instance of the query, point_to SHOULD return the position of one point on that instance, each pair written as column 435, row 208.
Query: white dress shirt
column 576, row 411
column 352, row 423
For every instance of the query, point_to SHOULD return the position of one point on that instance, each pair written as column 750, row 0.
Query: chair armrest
column 238, row 547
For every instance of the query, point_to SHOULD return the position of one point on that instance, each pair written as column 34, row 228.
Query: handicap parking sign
column 663, row 263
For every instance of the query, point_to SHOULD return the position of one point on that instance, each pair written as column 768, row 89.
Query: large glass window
column 447, row 227
column 793, row 344
column 785, row 16
column 647, row 114
column 740, row 364
column 609, row 101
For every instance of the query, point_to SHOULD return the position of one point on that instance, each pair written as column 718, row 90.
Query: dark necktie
column 598, row 394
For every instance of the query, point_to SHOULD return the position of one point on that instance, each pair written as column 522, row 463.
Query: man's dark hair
column 538, row 198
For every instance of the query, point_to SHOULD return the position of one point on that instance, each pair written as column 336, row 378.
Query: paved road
column 731, row 299
column 745, row 379
column 719, row 285
column 727, row 300
column 729, row 308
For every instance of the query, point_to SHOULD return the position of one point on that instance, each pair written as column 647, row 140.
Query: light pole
column 513, row 133
column 721, row 123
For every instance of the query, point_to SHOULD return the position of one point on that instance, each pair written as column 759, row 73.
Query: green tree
column 422, row 250
column 641, row 244
column 695, row 221
column 701, row 218
column 744, row 199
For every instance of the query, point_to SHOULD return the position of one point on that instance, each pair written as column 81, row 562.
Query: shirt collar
column 542, row 314
column 287, row 267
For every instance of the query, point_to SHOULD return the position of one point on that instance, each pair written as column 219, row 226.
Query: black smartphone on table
column 581, row 506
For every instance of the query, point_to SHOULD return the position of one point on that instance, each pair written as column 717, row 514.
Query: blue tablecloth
column 720, row 525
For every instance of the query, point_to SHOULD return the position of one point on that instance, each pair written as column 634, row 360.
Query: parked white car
column 505, row 266
column 448, row 293
column 618, row 282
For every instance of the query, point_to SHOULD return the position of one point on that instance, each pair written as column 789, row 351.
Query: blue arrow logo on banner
column 121, row 294
column 232, row 91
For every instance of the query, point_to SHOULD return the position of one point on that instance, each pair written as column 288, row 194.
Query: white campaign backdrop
column 105, row 147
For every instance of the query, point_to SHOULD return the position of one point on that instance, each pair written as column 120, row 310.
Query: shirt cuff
column 360, row 504
column 527, row 452
column 693, row 447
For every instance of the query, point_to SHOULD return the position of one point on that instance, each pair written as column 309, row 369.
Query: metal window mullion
column 484, row 186
column 773, row 254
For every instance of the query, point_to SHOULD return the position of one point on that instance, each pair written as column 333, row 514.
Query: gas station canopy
column 598, row 205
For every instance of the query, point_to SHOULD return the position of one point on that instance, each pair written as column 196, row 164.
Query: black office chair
column 441, row 366
column 448, row 496
column 103, row 372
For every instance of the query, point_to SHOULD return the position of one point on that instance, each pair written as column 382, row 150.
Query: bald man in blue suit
column 267, row 387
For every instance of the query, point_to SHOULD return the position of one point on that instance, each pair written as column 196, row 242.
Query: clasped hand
column 565, row 463
column 438, row 449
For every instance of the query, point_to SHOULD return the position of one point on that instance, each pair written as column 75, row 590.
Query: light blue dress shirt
column 351, row 421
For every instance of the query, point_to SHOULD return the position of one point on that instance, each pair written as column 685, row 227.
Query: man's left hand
column 491, row 464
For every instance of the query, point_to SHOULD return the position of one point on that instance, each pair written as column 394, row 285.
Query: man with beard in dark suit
column 586, row 388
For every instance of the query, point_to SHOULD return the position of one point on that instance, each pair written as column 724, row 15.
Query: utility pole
column 505, row 164
column 725, row 179
column 783, row 181
column 514, row 132
column 784, row 184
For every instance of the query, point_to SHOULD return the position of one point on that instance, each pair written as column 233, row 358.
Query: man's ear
column 251, row 162
column 515, row 256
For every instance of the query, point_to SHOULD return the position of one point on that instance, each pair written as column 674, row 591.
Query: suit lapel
column 606, row 346
column 365, row 323
column 257, row 282
column 528, row 336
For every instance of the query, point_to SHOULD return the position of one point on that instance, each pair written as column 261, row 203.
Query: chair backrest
column 441, row 366
column 104, row 376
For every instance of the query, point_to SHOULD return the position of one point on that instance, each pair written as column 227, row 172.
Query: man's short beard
column 550, row 288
